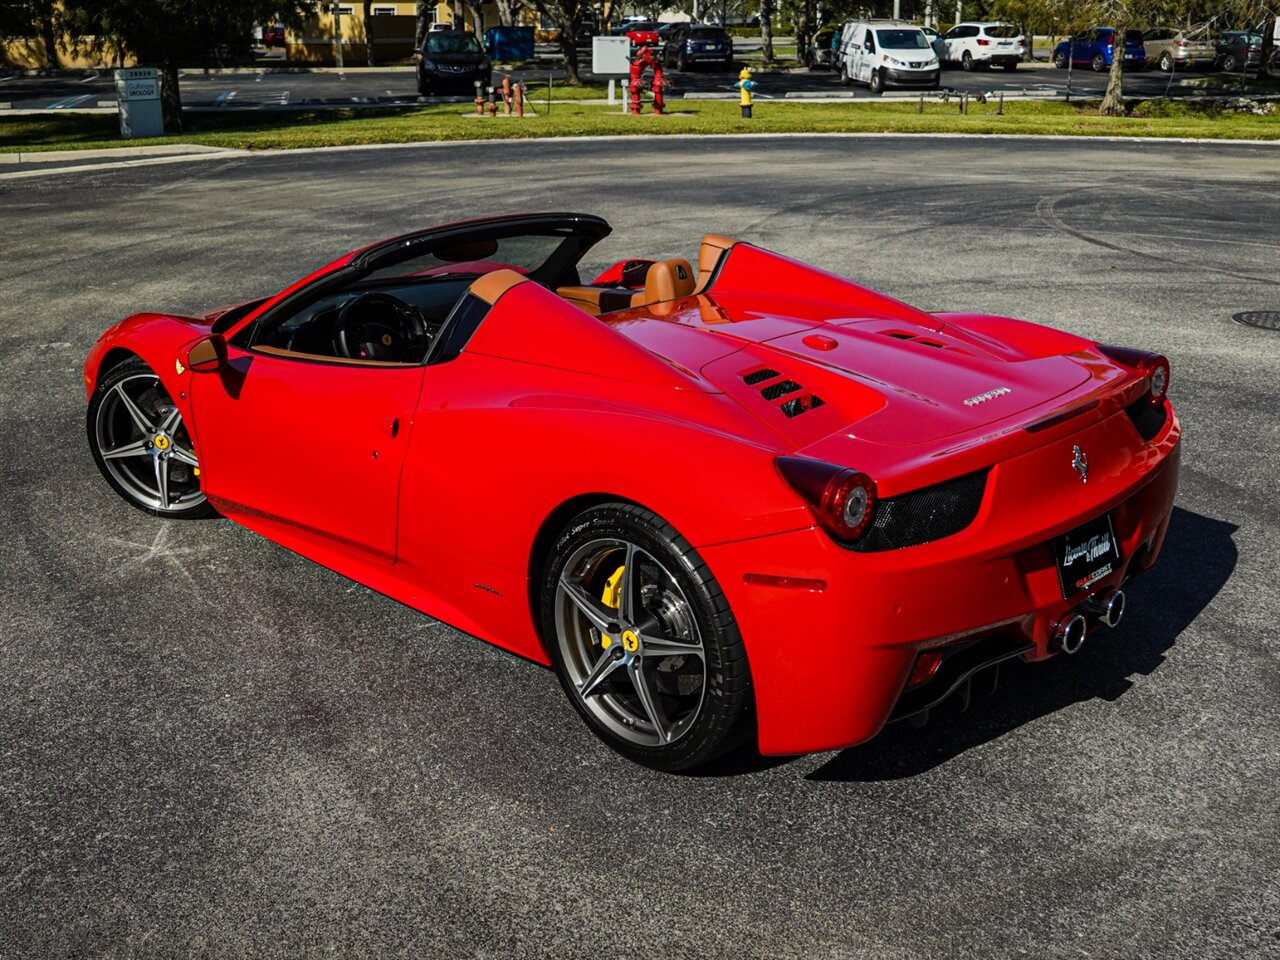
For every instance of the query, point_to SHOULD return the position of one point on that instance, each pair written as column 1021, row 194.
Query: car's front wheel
column 643, row 640
column 1166, row 62
column 142, row 446
column 1060, row 59
column 1229, row 63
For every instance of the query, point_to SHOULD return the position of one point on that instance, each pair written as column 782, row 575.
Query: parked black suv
column 452, row 61
column 692, row 43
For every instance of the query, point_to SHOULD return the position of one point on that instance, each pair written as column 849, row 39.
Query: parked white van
column 887, row 53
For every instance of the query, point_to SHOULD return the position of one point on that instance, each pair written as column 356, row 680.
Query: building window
column 384, row 11
column 346, row 11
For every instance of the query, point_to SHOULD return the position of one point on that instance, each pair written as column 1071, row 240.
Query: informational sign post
column 610, row 55
column 138, row 94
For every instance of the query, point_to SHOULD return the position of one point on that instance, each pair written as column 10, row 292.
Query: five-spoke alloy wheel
column 141, row 445
column 643, row 640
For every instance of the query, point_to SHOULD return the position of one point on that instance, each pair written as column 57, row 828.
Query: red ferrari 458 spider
column 748, row 499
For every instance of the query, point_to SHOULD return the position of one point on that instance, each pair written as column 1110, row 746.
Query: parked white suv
column 887, row 53
column 974, row 45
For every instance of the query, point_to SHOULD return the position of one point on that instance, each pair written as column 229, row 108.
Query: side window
column 952, row 34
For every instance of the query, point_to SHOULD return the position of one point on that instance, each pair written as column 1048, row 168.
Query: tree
column 563, row 13
column 169, row 34
column 368, row 33
column 766, row 30
column 422, row 10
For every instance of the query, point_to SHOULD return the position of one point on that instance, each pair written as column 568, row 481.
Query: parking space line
column 68, row 102
column 7, row 79
column 89, row 79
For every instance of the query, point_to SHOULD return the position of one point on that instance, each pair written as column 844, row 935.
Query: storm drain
column 1263, row 319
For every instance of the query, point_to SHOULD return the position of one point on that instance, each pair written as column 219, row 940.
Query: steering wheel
column 378, row 326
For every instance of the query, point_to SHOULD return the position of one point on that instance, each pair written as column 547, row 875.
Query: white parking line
column 7, row 79
column 68, row 102
column 258, row 78
column 89, row 79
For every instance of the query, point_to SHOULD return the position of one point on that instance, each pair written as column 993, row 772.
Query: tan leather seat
column 666, row 280
column 597, row 300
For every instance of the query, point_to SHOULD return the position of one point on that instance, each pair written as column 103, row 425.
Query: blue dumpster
column 509, row 43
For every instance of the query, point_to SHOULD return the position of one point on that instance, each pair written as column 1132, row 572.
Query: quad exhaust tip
column 1109, row 608
column 1069, row 632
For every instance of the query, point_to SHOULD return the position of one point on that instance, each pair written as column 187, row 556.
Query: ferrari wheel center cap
column 160, row 442
column 630, row 642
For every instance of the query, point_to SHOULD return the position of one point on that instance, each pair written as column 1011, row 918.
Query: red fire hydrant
column 645, row 60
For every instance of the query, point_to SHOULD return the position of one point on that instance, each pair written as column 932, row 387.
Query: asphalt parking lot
column 273, row 87
column 212, row 747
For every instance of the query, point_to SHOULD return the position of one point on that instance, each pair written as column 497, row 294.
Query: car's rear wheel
column 1099, row 63
column 1166, row 62
column 141, row 445
column 643, row 640
column 967, row 62
column 1011, row 66
column 682, row 62
column 845, row 79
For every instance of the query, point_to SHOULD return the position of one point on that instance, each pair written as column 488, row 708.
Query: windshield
column 1002, row 31
column 902, row 40
column 707, row 33
column 452, row 43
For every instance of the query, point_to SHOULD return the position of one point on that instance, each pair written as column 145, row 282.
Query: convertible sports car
column 751, row 499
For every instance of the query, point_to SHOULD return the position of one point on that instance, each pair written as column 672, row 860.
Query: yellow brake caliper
column 612, row 598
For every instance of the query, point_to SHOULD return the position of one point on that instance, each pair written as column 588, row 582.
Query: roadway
column 211, row 746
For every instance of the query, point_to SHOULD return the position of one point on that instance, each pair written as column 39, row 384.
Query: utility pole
column 897, row 9
column 959, row 10
column 337, row 34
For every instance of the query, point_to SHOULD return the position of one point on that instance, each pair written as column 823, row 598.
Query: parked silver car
column 1169, row 48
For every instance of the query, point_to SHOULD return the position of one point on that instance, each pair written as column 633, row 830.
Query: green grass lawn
column 269, row 131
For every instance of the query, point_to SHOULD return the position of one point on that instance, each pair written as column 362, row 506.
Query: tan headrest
column 493, row 285
column 713, row 245
column 668, row 280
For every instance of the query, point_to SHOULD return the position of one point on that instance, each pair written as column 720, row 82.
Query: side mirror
column 206, row 355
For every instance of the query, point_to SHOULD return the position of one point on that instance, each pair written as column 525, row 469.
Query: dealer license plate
column 1085, row 555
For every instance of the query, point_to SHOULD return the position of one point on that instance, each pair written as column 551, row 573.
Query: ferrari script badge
column 1080, row 464
column 989, row 395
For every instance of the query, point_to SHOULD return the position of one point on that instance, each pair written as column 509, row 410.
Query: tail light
column 1152, row 365
column 983, row 43
column 843, row 501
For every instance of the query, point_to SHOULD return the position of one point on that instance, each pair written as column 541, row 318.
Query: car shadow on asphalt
column 1198, row 558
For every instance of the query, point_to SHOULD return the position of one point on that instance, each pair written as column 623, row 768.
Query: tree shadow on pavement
column 1197, row 559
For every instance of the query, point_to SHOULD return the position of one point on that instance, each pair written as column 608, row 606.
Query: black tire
column 1098, row 63
column 1060, row 59
column 686, row 602
column 845, row 79
column 113, row 429
column 682, row 62
column 876, row 83
column 967, row 63
column 1230, row 64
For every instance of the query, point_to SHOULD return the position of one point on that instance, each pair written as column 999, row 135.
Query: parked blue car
column 1094, row 47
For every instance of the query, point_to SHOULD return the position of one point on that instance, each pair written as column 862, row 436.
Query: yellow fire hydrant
column 746, row 85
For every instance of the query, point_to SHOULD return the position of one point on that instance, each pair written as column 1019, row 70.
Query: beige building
column 392, row 27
